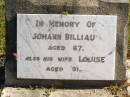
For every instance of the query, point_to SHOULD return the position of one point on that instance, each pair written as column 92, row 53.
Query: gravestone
column 66, row 42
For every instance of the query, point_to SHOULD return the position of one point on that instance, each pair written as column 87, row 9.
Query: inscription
column 53, row 23
column 72, row 47
column 64, row 59
column 80, row 37
column 40, row 36
column 56, row 47
column 46, row 59
column 54, row 69
column 91, row 59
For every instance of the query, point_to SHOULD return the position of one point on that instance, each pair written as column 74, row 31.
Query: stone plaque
column 69, row 47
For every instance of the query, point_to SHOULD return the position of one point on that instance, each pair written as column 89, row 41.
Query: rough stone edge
column 128, row 76
column 71, row 3
column 43, row 92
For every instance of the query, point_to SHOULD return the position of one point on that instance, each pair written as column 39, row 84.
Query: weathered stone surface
column 128, row 64
column 23, row 92
column 128, row 89
column 63, row 2
column 98, row 8
column 128, row 74
column 82, row 93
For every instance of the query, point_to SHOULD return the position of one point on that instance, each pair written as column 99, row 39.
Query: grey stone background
column 90, row 7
